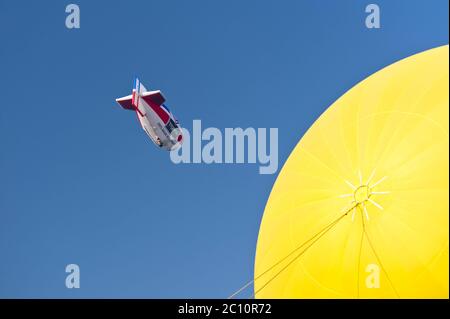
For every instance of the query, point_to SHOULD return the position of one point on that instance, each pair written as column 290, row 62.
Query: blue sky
column 80, row 181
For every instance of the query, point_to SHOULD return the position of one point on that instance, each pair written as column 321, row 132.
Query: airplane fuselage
column 165, row 132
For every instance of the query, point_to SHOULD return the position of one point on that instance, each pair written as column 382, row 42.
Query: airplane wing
column 155, row 100
column 155, row 97
column 126, row 102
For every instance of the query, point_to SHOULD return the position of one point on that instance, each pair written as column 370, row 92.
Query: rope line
column 320, row 234
column 296, row 257
column 359, row 254
column 379, row 260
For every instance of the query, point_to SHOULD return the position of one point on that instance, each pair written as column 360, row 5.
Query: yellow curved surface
column 377, row 164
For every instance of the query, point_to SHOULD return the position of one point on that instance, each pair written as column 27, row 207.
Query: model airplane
column 155, row 118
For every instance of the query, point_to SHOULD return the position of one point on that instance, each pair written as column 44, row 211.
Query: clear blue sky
column 80, row 181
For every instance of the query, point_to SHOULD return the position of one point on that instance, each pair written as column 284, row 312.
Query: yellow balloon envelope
column 361, row 207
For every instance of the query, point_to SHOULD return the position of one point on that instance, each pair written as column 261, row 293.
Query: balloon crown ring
column 362, row 194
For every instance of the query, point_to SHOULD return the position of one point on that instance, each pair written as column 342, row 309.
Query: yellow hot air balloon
column 361, row 207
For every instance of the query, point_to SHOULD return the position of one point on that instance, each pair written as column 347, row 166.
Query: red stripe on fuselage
column 135, row 104
column 158, row 110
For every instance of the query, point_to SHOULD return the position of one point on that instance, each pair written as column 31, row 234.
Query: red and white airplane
column 155, row 118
